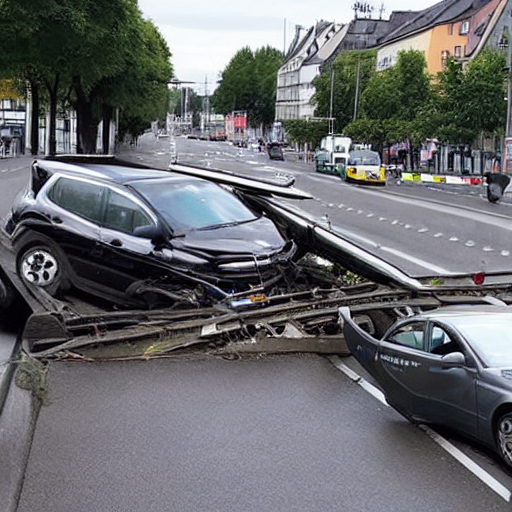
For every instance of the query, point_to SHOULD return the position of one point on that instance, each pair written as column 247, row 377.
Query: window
column 444, row 57
column 123, row 214
column 458, row 51
column 79, row 197
column 450, row 29
column 464, row 28
column 409, row 335
column 442, row 343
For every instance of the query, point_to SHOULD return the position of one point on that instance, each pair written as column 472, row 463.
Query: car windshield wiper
column 225, row 224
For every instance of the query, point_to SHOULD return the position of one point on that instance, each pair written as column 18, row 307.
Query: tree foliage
column 85, row 53
column 306, row 131
column 248, row 83
column 349, row 74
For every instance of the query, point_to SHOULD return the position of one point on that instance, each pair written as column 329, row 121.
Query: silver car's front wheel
column 504, row 437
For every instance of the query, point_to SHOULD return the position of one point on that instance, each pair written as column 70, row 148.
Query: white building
column 309, row 49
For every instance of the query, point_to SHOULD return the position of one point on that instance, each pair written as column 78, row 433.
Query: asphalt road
column 287, row 433
column 423, row 230
column 197, row 432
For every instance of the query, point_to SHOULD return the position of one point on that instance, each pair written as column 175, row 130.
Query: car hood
column 259, row 236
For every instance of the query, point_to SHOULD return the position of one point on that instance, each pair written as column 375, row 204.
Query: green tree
column 306, row 131
column 77, row 50
column 349, row 74
column 396, row 97
column 248, row 83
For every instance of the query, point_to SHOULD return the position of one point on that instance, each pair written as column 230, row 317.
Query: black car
column 128, row 233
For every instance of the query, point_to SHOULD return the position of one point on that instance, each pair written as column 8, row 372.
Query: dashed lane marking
column 457, row 454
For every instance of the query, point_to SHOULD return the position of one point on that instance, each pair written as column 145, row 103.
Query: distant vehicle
column 333, row 154
column 275, row 151
column 121, row 231
column 450, row 366
column 364, row 166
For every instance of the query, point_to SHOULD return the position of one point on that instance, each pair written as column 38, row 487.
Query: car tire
column 44, row 266
column 504, row 437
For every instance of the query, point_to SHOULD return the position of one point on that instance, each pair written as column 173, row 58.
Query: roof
column 446, row 11
column 106, row 168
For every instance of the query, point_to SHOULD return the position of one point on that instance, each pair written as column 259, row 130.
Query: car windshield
column 490, row 336
column 193, row 204
column 364, row 158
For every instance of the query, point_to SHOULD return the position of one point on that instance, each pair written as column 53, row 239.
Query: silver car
column 451, row 366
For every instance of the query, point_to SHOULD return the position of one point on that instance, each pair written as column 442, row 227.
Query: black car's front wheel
column 504, row 437
column 44, row 267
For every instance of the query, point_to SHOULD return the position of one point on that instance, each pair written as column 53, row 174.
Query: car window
column 489, row 335
column 78, row 196
column 442, row 343
column 409, row 335
column 124, row 214
column 193, row 204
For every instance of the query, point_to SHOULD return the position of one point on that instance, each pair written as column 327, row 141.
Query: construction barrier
column 437, row 178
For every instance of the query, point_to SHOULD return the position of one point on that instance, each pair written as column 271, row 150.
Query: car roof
column 448, row 312
column 107, row 168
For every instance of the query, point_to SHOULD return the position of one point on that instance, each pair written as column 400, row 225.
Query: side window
column 123, row 214
column 442, row 343
column 409, row 335
column 79, row 197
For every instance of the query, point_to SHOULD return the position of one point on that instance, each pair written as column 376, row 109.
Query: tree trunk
column 34, row 121
column 87, row 130
column 52, row 128
column 107, row 112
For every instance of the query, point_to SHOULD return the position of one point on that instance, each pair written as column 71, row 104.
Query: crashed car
column 451, row 366
column 140, row 236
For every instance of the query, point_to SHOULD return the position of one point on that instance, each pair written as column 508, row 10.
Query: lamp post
column 507, row 153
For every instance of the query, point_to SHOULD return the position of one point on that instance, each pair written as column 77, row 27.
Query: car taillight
column 479, row 278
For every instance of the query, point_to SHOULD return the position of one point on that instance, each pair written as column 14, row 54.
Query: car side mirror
column 453, row 360
column 154, row 233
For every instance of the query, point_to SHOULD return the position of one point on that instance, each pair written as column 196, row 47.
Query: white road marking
column 408, row 257
column 468, row 463
column 457, row 454
column 352, row 375
column 417, row 261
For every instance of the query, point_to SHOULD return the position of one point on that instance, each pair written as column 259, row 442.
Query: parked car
column 126, row 233
column 450, row 366
column 364, row 166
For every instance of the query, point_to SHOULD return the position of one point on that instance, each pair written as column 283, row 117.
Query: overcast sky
column 204, row 35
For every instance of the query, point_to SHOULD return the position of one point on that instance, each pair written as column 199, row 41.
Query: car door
column 76, row 209
column 418, row 379
column 126, row 257
column 402, row 359
column 450, row 394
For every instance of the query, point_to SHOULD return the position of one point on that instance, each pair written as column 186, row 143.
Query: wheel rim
column 39, row 268
column 505, row 438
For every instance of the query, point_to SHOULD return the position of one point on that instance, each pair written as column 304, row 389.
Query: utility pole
column 331, row 122
column 507, row 154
